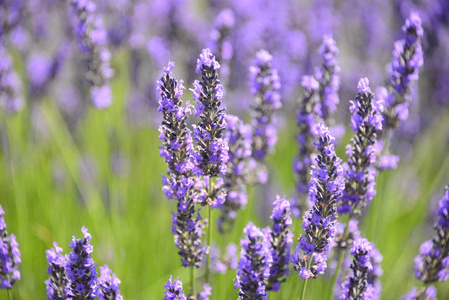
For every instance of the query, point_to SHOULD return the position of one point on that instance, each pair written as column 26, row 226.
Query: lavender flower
column 58, row 284
column 207, row 291
column 81, row 270
column 92, row 40
column 403, row 71
column 225, row 262
column 253, row 269
column 328, row 78
column 280, row 239
column 360, row 173
column 173, row 290
column 212, row 148
column 306, row 123
column 9, row 83
column 238, row 137
column 432, row 263
column 429, row 293
column 177, row 151
column 9, row 256
column 265, row 85
column 357, row 285
column 108, row 285
column 326, row 186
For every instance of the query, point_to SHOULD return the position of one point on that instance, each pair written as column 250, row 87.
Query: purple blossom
column 225, row 262
column 429, row 293
column 361, row 284
column 173, row 290
column 108, row 284
column 403, row 71
column 328, row 78
column 212, row 148
column 207, row 291
column 9, row 256
column 58, row 284
column 10, row 98
column 92, row 41
column 239, row 139
column 362, row 153
column 306, row 123
column 280, row 239
column 253, row 269
column 326, row 186
column 265, row 85
column 81, row 269
column 432, row 263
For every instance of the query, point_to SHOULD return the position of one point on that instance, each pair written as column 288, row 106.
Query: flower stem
column 304, row 286
column 209, row 230
column 9, row 294
column 192, row 280
column 341, row 255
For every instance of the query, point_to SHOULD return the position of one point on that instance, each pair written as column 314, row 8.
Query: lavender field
column 235, row 149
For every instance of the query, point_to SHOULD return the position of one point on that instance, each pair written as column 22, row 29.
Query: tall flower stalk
column 9, row 256
column 211, row 153
column 319, row 223
column 177, row 150
column 58, row 284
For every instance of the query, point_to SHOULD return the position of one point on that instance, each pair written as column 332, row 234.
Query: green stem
column 304, row 286
column 192, row 280
column 209, row 230
column 341, row 255
column 9, row 294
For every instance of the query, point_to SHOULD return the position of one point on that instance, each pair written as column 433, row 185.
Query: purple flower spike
column 92, row 40
column 306, row 124
column 177, row 150
column 417, row 294
column 58, row 284
column 108, row 285
column 9, row 256
column 265, row 85
column 403, row 71
column 81, row 269
column 319, row 223
column 10, row 98
column 360, row 173
column 328, row 78
column 206, row 293
column 362, row 283
column 280, row 239
column 173, row 290
column 212, row 148
column 253, row 269
column 432, row 263
column 239, row 139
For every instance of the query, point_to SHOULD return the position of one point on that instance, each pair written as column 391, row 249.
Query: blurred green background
column 54, row 183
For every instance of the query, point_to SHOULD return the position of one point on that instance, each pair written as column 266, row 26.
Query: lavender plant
column 253, row 268
column 10, row 98
column 173, row 290
column 280, row 239
column 108, row 285
column 238, row 136
column 265, row 85
column 9, row 256
column 306, row 122
column 58, row 284
column 92, row 38
column 81, row 269
column 326, row 186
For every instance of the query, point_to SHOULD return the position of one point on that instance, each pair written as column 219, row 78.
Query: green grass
column 131, row 226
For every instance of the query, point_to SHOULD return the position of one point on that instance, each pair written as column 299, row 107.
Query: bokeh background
column 66, row 164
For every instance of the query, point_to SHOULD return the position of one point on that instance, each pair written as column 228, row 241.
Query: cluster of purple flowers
column 238, row 136
column 403, row 71
column 174, row 291
column 9, row 256
column 177, row 150
column 319, row 223
column 360, row 174
column 265, row 85
column 92, row 39
column 75, row 276
column 329, row 81
column 362, row 283
column 10, row 98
